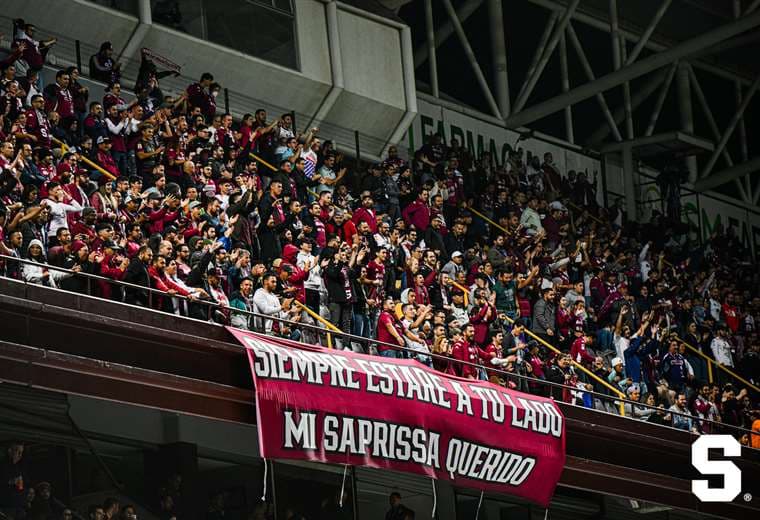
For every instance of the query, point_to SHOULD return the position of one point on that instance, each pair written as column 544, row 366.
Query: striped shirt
column 310, row 163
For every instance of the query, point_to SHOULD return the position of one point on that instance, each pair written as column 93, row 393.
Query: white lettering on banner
column 490, row 402
column 464, row 402
column 475, row 461
column 302, row 433
column 732, row 475
column 537, row 416
column 365, row 437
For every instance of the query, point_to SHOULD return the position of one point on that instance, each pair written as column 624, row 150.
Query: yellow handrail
column 711, row 361
column 462, row 288
column 262, row 161
column 494, row 224
column 85, row 159
column 592, row 217
column 584, row 369
column 320, row 319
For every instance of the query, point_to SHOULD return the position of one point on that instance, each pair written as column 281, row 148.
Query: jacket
column 544, row 316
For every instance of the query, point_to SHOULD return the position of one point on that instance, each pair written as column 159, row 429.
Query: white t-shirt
column 621, row 345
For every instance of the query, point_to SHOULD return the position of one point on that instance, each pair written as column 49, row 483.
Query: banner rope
column 343, row 486
column 546, row 514
column 435, row 498
column 477, row 511
column 264, row 491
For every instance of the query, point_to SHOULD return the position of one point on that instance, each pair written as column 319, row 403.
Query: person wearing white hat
column 455, row 265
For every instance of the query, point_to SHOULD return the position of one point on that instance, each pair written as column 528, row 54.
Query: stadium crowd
column 183, row 200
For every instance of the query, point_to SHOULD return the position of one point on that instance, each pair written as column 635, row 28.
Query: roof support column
column 569, row 132
column 686, row 112
column 432, row 59
column 499, row 54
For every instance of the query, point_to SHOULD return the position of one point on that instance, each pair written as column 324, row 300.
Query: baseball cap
column 102, row 140
column 155, row 196
column 110, row 244
column 616, row 361
column 194, row 204
column 456, row 254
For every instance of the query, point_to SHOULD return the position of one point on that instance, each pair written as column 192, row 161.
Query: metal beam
column 686, row 112
column 708, row 112
column 738, row 94
column 641, row 95
column 727, row 175
column 626, row 93
column 499, row 56
column 634, row 70
column 731, row 126
column 590, row 75
column 661, row 99
column 644, row 38
column 550, row 23
column 443, row 33
column 569, row 131
column 602, row 25
column 471, row 57
column 754, row 5
column 433, row 59
column 547, row 53
column 614, row 37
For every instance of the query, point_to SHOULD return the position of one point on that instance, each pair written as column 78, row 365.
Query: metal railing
column 347, row 339
column 711, row 362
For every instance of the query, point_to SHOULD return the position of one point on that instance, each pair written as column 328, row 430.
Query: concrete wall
column 373, row 100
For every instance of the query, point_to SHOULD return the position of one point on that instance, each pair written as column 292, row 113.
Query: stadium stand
column 510, row 274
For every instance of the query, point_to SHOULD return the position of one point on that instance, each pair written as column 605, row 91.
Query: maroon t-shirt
column 383, row 335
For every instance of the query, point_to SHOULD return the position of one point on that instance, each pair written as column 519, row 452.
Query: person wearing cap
column 105, row 159
column 454, row 266
column 102, row 65
column 618, row 375
column 530, row 220
column 434, row 236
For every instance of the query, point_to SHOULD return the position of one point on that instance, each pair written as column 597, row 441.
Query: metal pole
column 644, row 38
column 731, row 126
column 499, row 56
column 615, row 40
column 661, row 99
column 358, row 150
column 686, row 112
column 626, row 94
column 550, row 23
column 432, row 59
column 78, row 46
column 634, row 70
column 735, row 172
column 471, row 57
column 708, row 113
column 445, row 31
column 547, row 53
column 641, row 95
column 226, row 100
column 752, row 7
column 590, row 75
column 630, row 185
column 570, row 134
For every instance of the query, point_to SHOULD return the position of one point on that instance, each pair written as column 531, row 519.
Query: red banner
column 344, row 408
